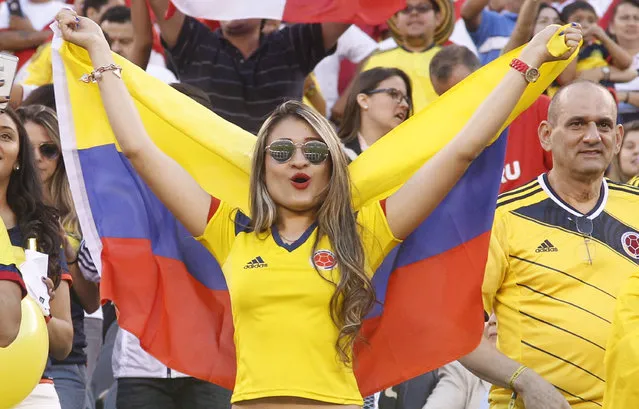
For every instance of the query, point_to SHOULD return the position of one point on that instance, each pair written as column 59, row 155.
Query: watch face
column 532, row 75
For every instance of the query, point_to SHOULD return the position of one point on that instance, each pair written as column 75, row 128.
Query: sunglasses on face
column 397, row 95
column 49, row 150
column 421, row 8
column 282, row 150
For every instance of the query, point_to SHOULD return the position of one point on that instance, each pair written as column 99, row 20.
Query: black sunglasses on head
column 282, row 150
column 420, row 8
column 49, row 150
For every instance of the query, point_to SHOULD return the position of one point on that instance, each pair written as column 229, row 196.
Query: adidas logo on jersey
column 546, row 247
column 257, row 262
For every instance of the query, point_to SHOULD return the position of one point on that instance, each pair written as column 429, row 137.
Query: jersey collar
column 596, row 211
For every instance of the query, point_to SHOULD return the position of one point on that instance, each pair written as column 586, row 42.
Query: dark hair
column 194, row 93
column 634, row 3
column 449, row 57
column 42, row 95
column 93, row 4
column 572, row 8
column 365, row 82
column 25, row 199
column 117, row 14
column 548, row 6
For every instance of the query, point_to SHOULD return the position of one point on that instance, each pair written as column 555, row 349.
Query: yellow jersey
column 40, row 69
column 634, row 181
column 280, row 293
column 415, row 65
column 552, row 278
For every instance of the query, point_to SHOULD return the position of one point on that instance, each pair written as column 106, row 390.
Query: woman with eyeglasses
column 25, row 214
column 299, row 302
column 379, row 101
column 69, row 374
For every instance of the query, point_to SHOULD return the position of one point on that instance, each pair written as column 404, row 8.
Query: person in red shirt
column 525, row 158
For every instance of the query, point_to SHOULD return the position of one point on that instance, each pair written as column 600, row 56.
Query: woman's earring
column 16, row 167
column 365, row 106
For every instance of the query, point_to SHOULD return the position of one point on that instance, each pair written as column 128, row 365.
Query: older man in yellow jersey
column 418, row 31
column 561, row 248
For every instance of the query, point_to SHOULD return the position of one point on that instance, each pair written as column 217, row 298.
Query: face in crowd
column 546, row 17
column 419, row 19
column 625, row 24
column 387, row 105
column 581, row 131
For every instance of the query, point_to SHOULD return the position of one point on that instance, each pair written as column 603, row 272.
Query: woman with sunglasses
column 69, row 374
column 25, row 215
column 379, row 101
column 299, row 269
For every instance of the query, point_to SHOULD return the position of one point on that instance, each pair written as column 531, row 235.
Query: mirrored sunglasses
column 282, row 150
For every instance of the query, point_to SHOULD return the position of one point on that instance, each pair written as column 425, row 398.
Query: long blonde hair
column 354, row 295
column 59, row 189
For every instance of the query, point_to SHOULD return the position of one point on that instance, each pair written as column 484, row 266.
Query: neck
column 291, row 224
column 46, row 194
column 418, row 44
column 370, row 132
column 245, row 43
column 582, row 193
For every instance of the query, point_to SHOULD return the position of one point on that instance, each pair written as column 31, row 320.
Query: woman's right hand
column 80, row 31
column 536, row 52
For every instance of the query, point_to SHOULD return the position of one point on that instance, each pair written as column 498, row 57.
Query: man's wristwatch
column 531, row 74
column 606, row 73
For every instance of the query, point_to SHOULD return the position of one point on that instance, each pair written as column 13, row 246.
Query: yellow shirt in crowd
column 415, row 65
column 284, row 336
column 553, row 290
column 40, row 70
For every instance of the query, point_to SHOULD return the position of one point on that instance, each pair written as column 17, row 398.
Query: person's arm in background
column 569, row 74
column 88, row 292
column 10, row 311
column 337, row 112
column 619, row 57
column 142, row 33
column 331, row 32
column 169, row 28
column 616, row 75
column 21, row 40
column 60, row 326
column 523, row 31
column 471, row 12
column 356, row 46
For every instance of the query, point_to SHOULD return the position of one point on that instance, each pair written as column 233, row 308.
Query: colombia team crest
column 630, row 244
column 324, row 260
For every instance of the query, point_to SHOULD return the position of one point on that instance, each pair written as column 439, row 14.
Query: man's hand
column 537, row 393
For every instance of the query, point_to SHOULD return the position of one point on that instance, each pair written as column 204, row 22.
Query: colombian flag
column 170, row 291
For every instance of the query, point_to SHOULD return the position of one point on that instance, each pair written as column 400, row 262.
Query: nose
column 592, row 133
column 299, row 160
column 403, row 103
column 115, row 47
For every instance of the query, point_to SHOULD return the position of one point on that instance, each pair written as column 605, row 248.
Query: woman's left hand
column 49, row 283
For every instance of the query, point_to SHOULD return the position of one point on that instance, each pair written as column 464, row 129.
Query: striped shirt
column 245, row 91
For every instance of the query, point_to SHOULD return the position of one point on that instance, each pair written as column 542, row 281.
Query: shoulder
column 626, row 192
column 634, row 181
column 528, row 194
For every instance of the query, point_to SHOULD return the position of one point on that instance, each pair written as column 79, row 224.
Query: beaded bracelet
column 96, row 75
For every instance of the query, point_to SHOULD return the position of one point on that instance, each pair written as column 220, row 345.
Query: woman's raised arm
column 421, row 194
column 173, row 185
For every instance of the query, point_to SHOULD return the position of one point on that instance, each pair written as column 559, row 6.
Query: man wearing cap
column 419, row 30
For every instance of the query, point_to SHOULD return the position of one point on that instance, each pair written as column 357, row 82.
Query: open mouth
column 401, row 116
column 300, row 180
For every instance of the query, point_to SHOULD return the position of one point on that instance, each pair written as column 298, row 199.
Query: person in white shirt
column 355, row 46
